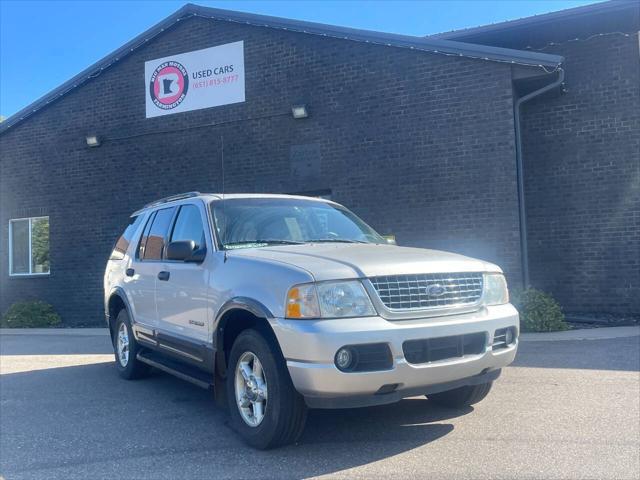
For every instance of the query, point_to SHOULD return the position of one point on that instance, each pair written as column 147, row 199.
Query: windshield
column 258, row 222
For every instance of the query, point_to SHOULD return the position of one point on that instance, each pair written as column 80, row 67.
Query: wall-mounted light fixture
column 93, row 140
column 299, row 111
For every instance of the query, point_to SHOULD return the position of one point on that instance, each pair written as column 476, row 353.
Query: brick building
column 581, row 149
column 419, row 136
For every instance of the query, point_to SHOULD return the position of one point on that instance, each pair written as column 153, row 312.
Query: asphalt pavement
column 568, row 408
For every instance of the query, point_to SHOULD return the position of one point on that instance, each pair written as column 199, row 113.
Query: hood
column 333, row 261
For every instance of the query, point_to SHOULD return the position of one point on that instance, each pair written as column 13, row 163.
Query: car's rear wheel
column 126, row 349
column 463, row 396
column 264, row 406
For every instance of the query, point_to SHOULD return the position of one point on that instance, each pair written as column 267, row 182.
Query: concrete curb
column 584, row 334
column 67, row 332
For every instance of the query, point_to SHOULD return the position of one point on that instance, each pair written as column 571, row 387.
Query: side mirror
column 198, row 255
column 181, row 250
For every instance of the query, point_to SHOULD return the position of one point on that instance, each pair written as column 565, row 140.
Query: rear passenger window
column 189, row 226
column 152, row 244
column 122, row 244
column 145, row 235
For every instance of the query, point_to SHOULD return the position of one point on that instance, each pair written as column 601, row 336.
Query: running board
column 183, row 372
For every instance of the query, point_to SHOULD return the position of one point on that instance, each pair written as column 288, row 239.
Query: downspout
column 524, row 247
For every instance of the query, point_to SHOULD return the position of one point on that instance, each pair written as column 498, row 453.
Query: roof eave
column 428, row 44
column 591, row 9
column 447, row 47
column 96, row 68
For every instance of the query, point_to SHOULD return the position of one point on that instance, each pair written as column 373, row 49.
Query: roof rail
column 171, row 198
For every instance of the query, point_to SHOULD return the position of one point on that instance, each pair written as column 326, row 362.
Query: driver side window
column 189, row 226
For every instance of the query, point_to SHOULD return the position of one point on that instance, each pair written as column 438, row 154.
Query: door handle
column 163, row 275
column 130, row 272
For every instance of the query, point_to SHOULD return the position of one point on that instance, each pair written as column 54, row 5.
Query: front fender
column 253, row 306
column 250, row 305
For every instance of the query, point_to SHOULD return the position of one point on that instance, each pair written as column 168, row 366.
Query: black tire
column 285, row 413
column 133, row 368
column 463, row 396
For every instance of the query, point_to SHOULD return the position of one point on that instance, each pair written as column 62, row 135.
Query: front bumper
column 309, row 347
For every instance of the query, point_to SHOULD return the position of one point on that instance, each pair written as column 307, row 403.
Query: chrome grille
column 411, row 292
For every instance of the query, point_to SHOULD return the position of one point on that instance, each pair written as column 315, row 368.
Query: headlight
column 495, row 289
column 329, row 300
column 344, row 299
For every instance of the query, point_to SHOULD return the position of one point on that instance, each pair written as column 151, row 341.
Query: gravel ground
column 565, row 409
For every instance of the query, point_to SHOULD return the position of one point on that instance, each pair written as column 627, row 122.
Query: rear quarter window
column 122, row 244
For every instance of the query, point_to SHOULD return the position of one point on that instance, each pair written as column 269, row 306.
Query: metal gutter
column 541, row 19
column 426, row 44
column 483, row 52
column 524, row 245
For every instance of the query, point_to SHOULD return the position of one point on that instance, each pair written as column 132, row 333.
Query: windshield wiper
column 338, row 240
column 265, row 241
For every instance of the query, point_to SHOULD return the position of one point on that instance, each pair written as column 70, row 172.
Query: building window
column 29, row 246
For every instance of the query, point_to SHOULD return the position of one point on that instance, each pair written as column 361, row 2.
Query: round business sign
column 169, row 85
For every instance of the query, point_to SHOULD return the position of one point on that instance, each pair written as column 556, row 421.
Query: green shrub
column 539, row 311
column 30, row 314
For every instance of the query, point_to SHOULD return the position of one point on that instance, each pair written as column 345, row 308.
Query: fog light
column 344, row 358
column 509, row 336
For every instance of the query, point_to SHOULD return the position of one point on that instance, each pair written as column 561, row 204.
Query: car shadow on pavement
column 72, row 418
column 409, row 419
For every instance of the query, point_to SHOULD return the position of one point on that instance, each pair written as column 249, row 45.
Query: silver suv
column 284, row 303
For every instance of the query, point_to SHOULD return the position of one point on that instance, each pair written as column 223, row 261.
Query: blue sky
column 44, row 43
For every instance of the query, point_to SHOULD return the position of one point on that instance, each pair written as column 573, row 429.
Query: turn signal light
column 302, row 302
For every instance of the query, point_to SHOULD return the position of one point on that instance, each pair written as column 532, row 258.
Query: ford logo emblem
column 435, row 290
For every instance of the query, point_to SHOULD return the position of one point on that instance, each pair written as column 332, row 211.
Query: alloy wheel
column 251, row 389
column 123, row 345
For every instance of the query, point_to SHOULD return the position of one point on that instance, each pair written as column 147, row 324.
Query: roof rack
column 172, row 198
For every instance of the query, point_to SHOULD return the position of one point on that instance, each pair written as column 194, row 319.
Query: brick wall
column 582, row 164
column 582, row 158
column 420, row 145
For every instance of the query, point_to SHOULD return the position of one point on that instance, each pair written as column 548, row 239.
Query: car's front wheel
column 463, row 396
column 264, row 406
column 126, row 349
